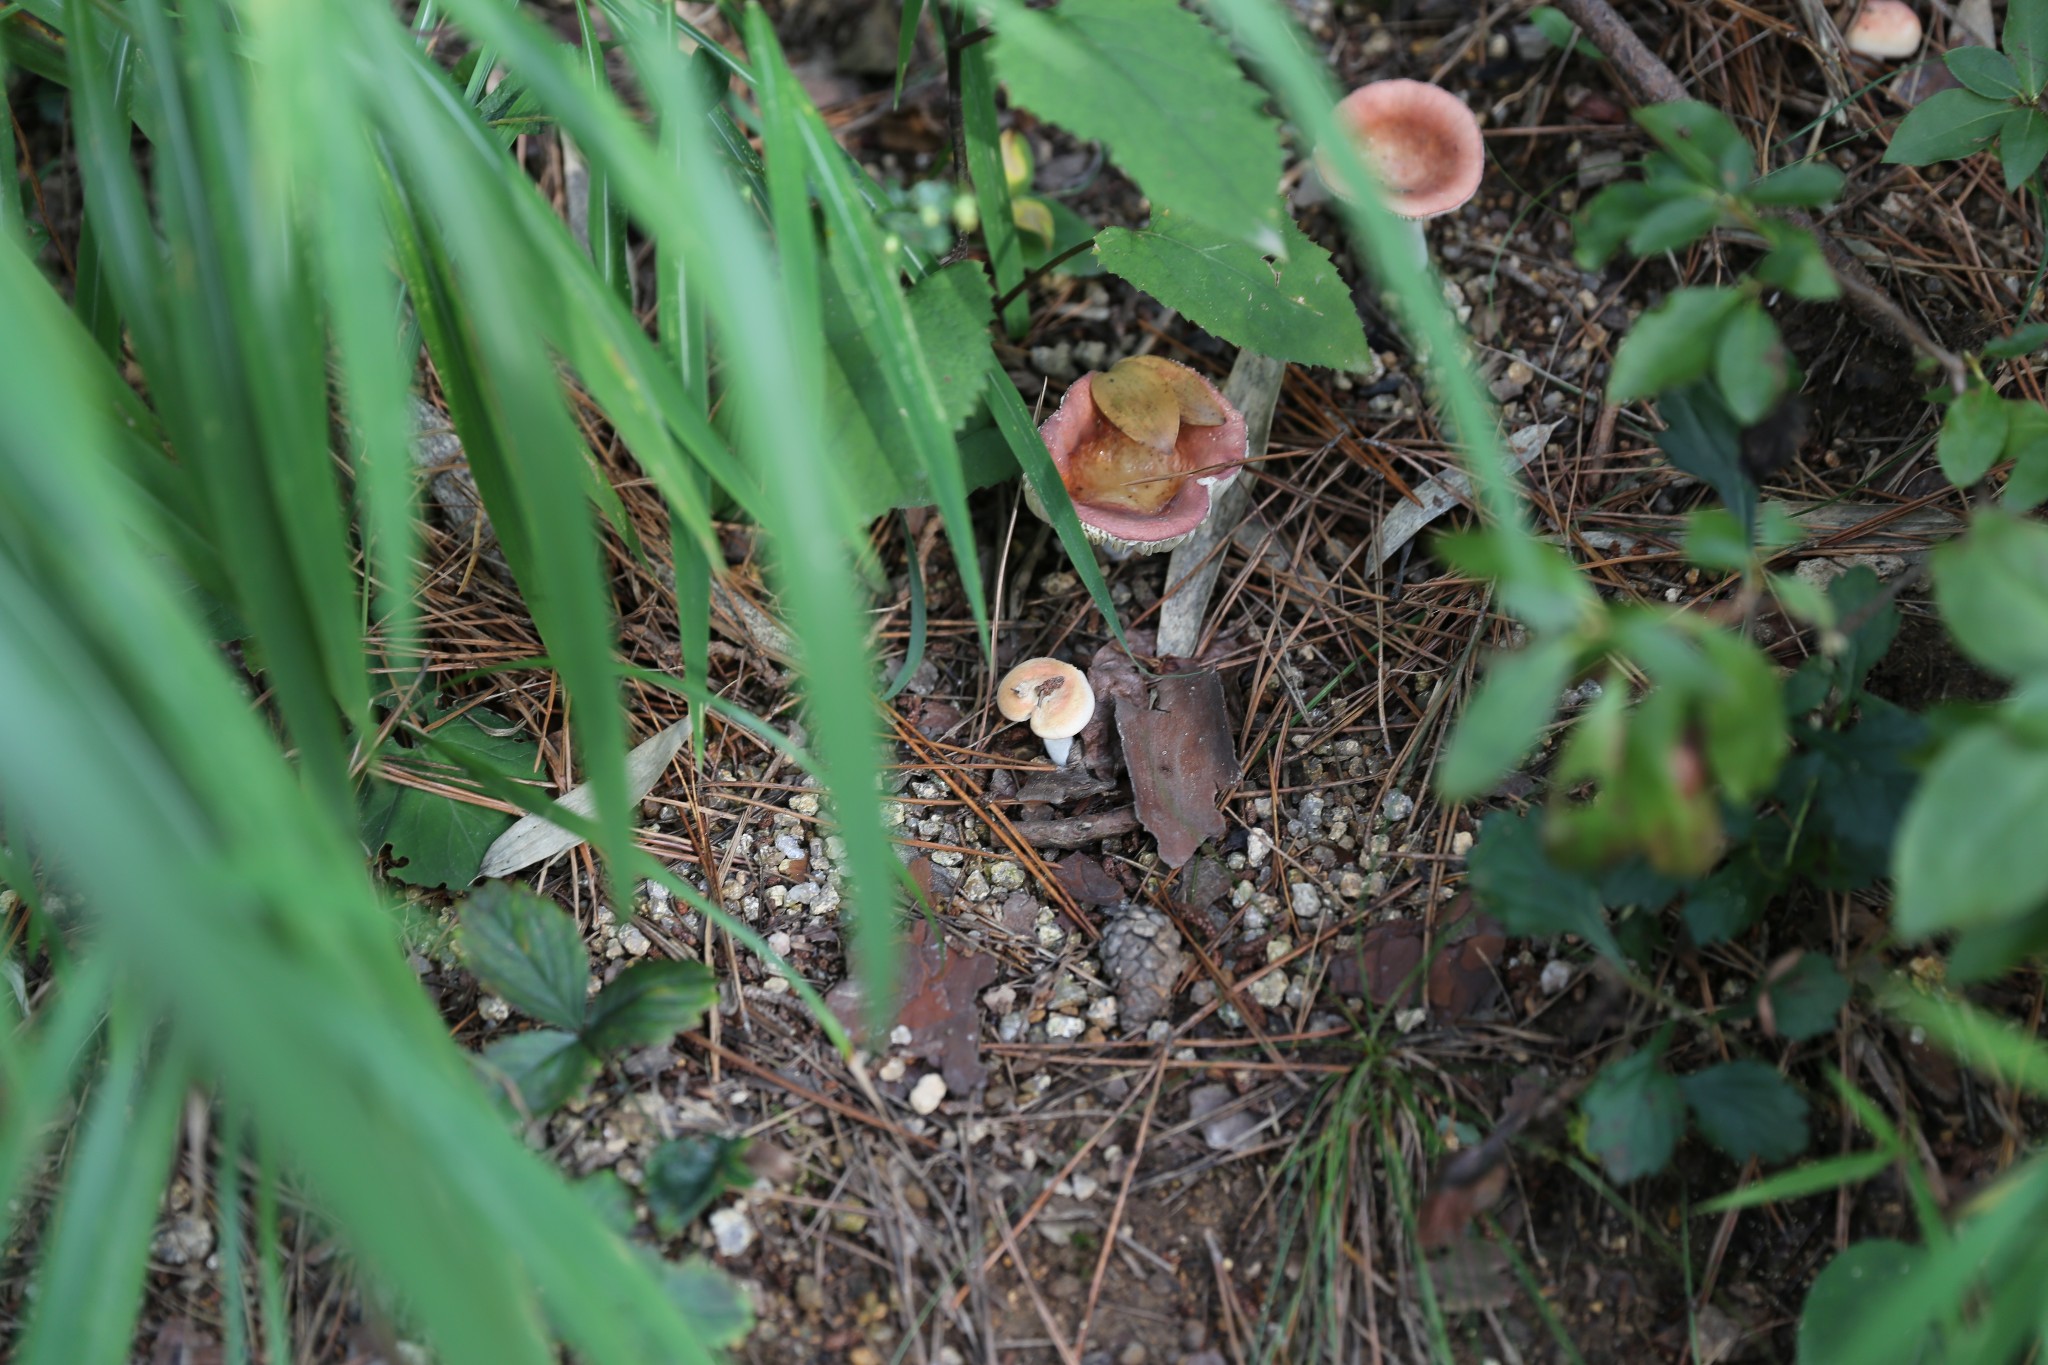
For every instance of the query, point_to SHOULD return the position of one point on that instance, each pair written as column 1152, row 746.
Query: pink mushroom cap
column 1218, row 452
column 1420, row 140
column 1885, row 29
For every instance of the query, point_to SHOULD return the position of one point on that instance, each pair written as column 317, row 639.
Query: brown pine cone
column 1141, row 956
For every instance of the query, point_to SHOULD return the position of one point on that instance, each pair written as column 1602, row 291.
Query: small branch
column 1655, row 83
column 1069, row 254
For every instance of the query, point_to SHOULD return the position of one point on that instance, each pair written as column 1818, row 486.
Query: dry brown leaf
column 1139, row 404
column 1181, row 761
column 1198, row 406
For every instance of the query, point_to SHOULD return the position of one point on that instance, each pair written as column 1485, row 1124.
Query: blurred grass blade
column 1036, row 462
column 906, row 44
column 991, row 186
column 89, row 1270
column 42, row 1060
column 913, row 648
column 604, row 222
column 94, row 303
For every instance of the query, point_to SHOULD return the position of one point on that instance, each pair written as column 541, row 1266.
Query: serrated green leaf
column 1701, row 438
column 542, row 1070
column 1747, row 1110
column 1700, row 138
column 438, row 840
column 1972, row 436
column 1992, row 587
column 1803, row 184
column 1634, row 1115
column 1750, row 365
column 1986, row 71
column 1515, row 881
column 1724, row 903
column 2025, row 40
column 1806, row 999
column 1969, row 850
column 527, row 950
column 648, row 1004
column 686, row 1175
column 1161, row 91
column 2022, row 143
column 949, row 311
column 1295, row 309
column 1672, row 344
column 1502, row 722
column 1950, row 124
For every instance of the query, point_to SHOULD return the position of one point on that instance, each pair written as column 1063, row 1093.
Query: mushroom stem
column 1416, row 242
column 1057, row 749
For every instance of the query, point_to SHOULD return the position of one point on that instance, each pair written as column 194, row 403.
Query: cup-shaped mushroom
column 1142, row 447
column 1420, row 141
column 1885, row 29
column 1054, row 696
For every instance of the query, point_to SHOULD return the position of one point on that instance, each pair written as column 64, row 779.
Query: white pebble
column 1557, row 974
column 732, row 1230
column 926, row 1094
column 1064, row 1027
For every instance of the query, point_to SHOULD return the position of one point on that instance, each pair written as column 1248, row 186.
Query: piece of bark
column 1078, row 831
column 1180, row 758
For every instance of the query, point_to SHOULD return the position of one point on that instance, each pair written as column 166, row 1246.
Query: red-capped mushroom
column 1421, row 143
column 1141, row 448
column 1054, row 696
column 1885, row 29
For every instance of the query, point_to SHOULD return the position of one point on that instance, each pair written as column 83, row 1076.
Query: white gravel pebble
column 633, row 941
column 926, row 1094
column 732, row 1230
column 1064, row 1026
column 1557, row 974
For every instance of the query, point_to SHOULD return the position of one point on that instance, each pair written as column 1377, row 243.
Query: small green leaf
column 1561, row 33
column 1992, row 587
column 712, row 1302
column 1502, row 722
column 1672, row 344
column 544, row 1069
column 1674, row 223
column 2025, row 40
column 1806, row 999
column 686, row 1175
column 1715, row 540
column 1805, row 603
column 1972, row 436
column 1985, row 70
column 1634, row 1114
column 1702, row 439
column 1875, row 1270
column 1515, row 881
column 1750, row 364
column 1795, row 263
column 2022, row 143
column 1295, row 309
column 438, row 840
column 2023, row 341
column 1802, row 185
column 949, row 312
column 1702, row 140
column 2026, row 445
column 1163, row 93
column 648, row 1004
column 1725, row 903
column 1606, row 220
column 527, row 950
column 1748, row 1110
column 1950, row 124
column 1969, row 851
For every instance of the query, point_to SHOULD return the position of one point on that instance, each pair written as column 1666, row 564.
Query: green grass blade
column 606, row 224
column 41, row 1067
column 906, row 44
column 991, row 187
column 89, row 1272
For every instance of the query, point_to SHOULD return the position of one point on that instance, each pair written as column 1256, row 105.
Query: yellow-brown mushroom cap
column 1054, row 696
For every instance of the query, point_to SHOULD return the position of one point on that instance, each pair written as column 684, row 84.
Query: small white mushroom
column 1886, row 29
column 1054, row 696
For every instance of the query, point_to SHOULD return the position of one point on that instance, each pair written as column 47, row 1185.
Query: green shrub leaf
column 1750, row 363
column 1674, row 223
column 2022, row 143
column 438, row 840
column 2026, row 445
column 1972, row 436
column 1634, row 1114
column 527, row 950
column 1871, row 1271
column 648, row 1004
column 1969, row 851
column 1950, row 124
column 1795, row 263
column 1700, row 138
column 1985, row 70
column 1502, row 722
column 1748, row 1110
column 1160, row 90
column 1806, row 999
column 2025, row 40
column 1992, row 587
column 1803, row 185
column 1725, row 902
column 1672, row 344
column 1297, row 308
